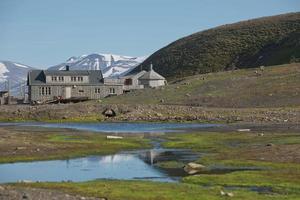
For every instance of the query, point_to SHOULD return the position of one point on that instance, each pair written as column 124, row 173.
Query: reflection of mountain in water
column 117, row 158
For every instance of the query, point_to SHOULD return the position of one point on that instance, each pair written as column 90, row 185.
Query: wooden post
column 8, row 91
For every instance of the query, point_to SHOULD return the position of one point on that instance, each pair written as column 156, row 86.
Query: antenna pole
column 8, row 91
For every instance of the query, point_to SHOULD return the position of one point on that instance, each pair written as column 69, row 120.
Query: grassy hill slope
column 265, row 41
column 275, row 86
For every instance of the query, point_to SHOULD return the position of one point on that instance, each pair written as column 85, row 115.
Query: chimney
column 67, row 68
column 151, row 67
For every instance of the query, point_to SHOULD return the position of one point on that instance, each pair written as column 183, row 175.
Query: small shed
column 4, row 97
column 152, row 79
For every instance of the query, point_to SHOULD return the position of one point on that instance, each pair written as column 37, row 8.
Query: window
column 97, row 90
column 112, row 90
column 128, row 81
column 44, row 91
column 54, row 78
column 73, row 78
column 61, row 79
column 81, row 91
column 80, row 79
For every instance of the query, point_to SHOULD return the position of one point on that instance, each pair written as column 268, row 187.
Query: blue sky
column 42, row 33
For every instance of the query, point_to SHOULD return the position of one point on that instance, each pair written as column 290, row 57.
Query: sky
column 43, row 33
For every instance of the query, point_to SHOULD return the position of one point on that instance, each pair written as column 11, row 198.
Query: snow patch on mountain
column 110, row 64
column 15, row 73
column 3, row 71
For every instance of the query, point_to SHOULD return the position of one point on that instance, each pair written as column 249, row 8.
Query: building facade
column 46, row 85
column 152, row 79
column 143, row 79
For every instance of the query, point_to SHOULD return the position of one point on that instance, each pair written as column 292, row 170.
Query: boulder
column 230, row 194
column 193, row 168
column 109, row 113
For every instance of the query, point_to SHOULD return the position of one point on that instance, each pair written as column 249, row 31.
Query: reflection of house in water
column 115, row 158
column 151, row 156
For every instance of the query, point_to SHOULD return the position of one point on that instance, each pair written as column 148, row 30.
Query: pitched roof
column 69, row 73
column 152, row 75
column 38, row 77
column 135, row 75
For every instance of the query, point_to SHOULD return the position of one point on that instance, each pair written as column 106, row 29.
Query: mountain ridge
column 265, row 41
column 111, row 64
column 16, row 73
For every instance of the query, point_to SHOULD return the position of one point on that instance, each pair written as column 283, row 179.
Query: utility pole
column 21, row 90
column 8, row 91
column 24, row 92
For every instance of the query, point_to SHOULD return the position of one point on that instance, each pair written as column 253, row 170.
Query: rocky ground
column 19, row 193
column 93, row 111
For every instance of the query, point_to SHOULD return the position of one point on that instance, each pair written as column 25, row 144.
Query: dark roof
column 69, row 73
column 38, row 77
column 134, row 75
column 3, row 92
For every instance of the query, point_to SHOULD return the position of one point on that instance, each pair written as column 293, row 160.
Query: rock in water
column 193, row 168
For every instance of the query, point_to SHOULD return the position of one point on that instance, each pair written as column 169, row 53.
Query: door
column 67, row 92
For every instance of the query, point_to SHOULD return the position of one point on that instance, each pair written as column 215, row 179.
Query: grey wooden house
column 45, row 85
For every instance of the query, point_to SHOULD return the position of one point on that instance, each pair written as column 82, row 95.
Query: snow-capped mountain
column 110, row 64
column 16, row 73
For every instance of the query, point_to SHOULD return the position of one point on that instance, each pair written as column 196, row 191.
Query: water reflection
column 118, row 127
column 124, row 166
column 119, row 166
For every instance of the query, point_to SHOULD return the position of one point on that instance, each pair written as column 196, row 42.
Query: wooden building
column 46, row 85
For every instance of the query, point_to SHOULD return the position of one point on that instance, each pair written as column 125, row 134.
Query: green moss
column 279, row 181
column 228, row 150
column 170, row 164
column 77, row 145
column 142, row 190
